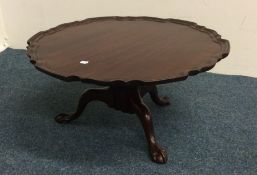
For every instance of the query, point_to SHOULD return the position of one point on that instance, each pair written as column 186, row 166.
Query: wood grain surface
column 126, row 50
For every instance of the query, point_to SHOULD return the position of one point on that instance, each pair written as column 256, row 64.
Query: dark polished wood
column 126, row 50
column 131, row 55
column 152, row 90
column 129, row 100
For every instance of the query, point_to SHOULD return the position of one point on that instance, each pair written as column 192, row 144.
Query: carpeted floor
column 210, row 128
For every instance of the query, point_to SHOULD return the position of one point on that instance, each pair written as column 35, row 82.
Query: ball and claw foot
column 64, row 118
column 159, row 155
column 163, row 101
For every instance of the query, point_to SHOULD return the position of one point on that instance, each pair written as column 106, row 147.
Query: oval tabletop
column 113, row 50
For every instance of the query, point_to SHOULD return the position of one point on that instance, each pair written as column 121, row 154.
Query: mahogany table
column 129, row 55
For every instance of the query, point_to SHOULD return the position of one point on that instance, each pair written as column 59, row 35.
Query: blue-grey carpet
column 210, row 127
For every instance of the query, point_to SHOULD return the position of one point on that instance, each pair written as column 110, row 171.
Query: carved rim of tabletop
column 224, row 44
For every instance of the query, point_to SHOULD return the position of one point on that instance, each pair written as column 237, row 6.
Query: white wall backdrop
column 236, row 20
column 3, row 37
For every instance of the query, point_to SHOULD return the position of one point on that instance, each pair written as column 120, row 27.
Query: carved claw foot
column 88, row 96
column 159, row 155
column 65, row 118
column 161, row 101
